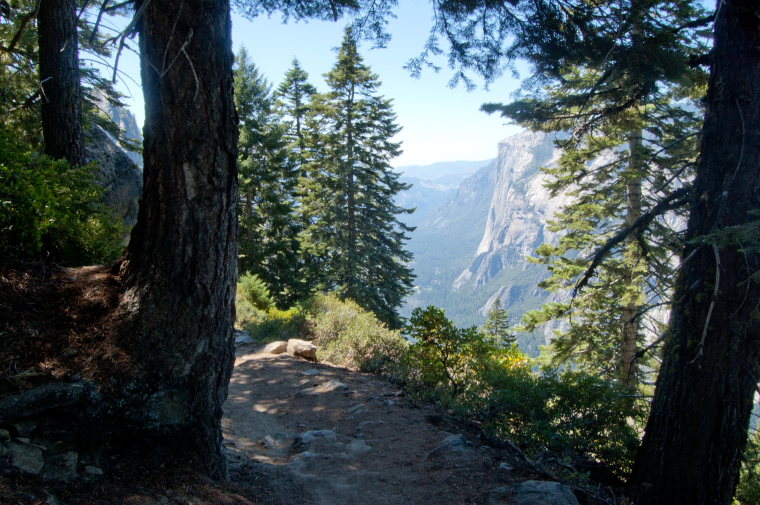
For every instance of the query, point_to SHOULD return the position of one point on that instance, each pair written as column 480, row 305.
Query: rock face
column 444, row 242
column 474, row 248
column 117, row 174
column 125, row 120
column 519, row 208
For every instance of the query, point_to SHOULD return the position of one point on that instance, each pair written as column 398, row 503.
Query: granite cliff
column 473, row 249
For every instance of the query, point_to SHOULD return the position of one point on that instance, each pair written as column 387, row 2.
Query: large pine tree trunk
column 697, row 429
column 61, row 107
column 180, row 268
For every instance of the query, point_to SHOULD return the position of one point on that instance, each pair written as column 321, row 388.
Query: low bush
column 255, row 291
column 347, row 335
column 50, row 210
column 567, row 413
column 748, row 491
column 256, row 314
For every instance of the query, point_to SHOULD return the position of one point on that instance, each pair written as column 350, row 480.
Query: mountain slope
column 474, row 247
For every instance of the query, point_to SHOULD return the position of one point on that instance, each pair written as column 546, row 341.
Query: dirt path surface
column 309, row 433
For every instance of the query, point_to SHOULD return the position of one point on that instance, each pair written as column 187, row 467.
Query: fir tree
column 293, row 103
column 354, row 239
column 268, row 227
column 631, row 147
column 497, row 326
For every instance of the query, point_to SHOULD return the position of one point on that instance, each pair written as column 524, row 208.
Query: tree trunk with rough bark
column 61, row 107
column 180, row 269
column 629, row 318
column 698, row 426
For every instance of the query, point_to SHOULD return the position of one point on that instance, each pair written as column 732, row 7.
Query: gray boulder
column 277, row 347
column 451, row 445
column 307, row 438
column 243, row 337
column 302, row 348
column 533, row 492
column 25, row 458
column 61, row 467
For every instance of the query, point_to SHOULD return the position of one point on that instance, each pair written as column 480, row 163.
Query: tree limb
column 22, row 25
column 47, row 397
column 672, row 201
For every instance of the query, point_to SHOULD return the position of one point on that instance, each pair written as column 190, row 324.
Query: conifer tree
column 497, row 326
column 268, row 227
column 353, row 238
column 292, row 101
column 621, row 160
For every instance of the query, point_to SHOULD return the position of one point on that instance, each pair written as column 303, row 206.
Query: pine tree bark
column 180, row 267
column 61, row 107
column 629, row 317
column 700, row 413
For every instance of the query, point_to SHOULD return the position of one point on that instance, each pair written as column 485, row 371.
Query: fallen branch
column 48, row 397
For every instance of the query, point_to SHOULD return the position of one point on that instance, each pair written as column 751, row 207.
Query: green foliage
column 293, row 104
column 748, row 491
column 347, row 335
column 497, row 326
column 51, row 210
column 268, row 231
column 567, row 413
column 444, row 357
column 353, row 241
column 257, row 314
column 255, row 292
column 631, row 110
column 276, row 324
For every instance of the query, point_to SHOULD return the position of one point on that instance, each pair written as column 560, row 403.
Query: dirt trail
column 309, row 433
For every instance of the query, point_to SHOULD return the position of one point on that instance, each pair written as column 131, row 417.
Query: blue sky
column 439, row 123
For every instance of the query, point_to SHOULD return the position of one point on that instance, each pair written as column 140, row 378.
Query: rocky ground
column 306, row 433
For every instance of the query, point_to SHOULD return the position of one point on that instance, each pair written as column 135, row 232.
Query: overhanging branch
column 676, row 199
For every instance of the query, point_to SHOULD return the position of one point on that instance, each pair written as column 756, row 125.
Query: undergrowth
column 570, row 414
column 50, row 210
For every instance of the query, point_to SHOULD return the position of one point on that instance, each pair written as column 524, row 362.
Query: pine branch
column 676, row 199
column 22, row 25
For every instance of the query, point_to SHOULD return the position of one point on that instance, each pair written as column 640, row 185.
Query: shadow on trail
column 311, row 433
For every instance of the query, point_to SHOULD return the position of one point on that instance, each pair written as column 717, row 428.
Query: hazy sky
column 439, row 123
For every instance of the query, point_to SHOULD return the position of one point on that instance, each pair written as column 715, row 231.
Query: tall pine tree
column 631, row 147
column 293, row 103
column 268, row 227
column 354, row 238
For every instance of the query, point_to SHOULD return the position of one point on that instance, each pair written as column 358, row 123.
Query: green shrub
column 52, row 210
column 255, row 292
column 565, row 413
column 448, row 359
column 268, row 324
column 748, row 491
column 347, row 335
column 279, row 325
column 246, row 315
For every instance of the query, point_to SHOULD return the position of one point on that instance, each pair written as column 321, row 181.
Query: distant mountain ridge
column 449, row 173
column 473, row 248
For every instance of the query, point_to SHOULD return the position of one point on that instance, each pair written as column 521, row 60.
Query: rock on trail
column 309, row 433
